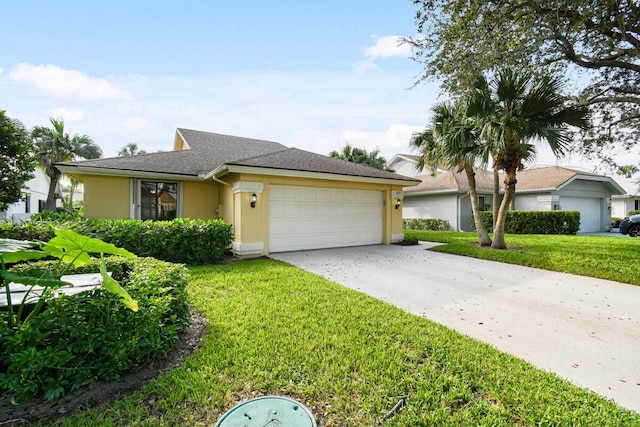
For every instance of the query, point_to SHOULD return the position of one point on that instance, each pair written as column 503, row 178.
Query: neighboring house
column 277, row 198
column 405, row 164
column 35, row 198
column 621, row 204
column 560, row 188
column 446, row 194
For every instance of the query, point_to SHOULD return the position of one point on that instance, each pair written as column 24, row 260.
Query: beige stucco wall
column 251, row 225
column 200, row 199
column 106, row 197
column 109, row 197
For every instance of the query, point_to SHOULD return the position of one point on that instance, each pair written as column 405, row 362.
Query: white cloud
column 383, row 47
column 394, row 140
column 67, row 114
column 387, row 47
column 67, row 83
column 136, row 123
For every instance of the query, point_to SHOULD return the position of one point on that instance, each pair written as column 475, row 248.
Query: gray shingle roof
column 529, row 180
column 452, row 182
column 206, row 152
column 300, row 160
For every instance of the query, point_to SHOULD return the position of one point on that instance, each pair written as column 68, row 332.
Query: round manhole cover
column 268, row 411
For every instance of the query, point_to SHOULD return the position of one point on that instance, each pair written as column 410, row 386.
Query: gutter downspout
column 212, row 175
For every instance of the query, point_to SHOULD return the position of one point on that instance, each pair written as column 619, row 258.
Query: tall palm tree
column 53, row 145
column 516, row 110
column 451, row 141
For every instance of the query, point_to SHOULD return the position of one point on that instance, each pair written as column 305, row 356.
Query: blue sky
column 315, row 75
column 309, row 74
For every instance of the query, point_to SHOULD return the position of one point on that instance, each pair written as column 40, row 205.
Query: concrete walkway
column 585, row 330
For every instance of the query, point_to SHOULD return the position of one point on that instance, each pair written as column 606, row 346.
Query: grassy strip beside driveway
column 604, row 257
column 276, row 329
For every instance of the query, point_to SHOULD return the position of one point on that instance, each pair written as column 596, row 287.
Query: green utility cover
column 268, row 411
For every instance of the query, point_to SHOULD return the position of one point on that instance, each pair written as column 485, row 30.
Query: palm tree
column 516, row 110
column 451, row 141
column 628, row 170
column 362, row 156
column 131, row 149
column 53, row 145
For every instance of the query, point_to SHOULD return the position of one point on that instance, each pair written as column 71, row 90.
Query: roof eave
column 225, row 169
column 614, row 187
column 87, row 170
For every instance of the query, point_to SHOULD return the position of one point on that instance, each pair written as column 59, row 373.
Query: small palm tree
column 131, row 149
column 53, row 145
column 362, row 156
column 516, row 110
column 628, row 170
column 451, row 141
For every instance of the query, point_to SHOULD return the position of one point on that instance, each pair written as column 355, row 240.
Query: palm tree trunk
column 509, row 191
column 50, row 205
column 483, row 236
column 496, row 195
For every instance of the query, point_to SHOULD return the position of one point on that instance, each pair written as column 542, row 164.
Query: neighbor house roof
column 451, row 182
column 206, row 155
column 553, row 178
column 631, row 186
column 550, row 178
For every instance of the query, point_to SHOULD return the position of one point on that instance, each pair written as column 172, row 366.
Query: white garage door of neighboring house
column 589, row 211
column 313, row 218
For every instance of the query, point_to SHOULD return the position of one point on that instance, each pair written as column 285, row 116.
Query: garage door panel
column 313, row 218
column 589, row 211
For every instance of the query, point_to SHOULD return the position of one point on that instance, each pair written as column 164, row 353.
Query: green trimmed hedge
column 186, row 241
column 91, row 336
column 426, row 224
column 536, row 222
column 634, row 212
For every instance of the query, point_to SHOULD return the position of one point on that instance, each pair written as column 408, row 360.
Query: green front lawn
column 275, row 329
column 611, row 258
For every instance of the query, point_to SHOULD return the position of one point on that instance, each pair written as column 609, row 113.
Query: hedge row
column 188, row 241
column 92, row 336
column 425, row 224
column 634, row 212
column 536, row 222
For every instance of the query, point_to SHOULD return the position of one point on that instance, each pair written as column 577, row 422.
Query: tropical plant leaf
column 12, row 251
column 114, row 287
column 46, row 281
column 75, row 248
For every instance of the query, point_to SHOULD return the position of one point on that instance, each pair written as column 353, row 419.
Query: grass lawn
column 275, row 329
column 611, row 258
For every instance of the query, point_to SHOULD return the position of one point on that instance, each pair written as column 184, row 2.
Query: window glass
column 158, row 200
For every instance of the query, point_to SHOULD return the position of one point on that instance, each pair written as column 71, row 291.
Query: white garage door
column 313, row 218
column 589, row 211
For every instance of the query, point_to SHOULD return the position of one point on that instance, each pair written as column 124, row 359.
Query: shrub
column 615, row 222
column 91, row 336
column 426, row 224
column 633, row 212
column 188, row 241
column 536, row 222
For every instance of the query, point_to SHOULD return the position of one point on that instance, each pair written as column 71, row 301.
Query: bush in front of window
column 90, row 336
column 186, row 241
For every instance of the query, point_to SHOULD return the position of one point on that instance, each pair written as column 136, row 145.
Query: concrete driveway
column 585, row 330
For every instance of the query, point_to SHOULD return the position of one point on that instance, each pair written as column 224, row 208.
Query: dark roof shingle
column 205, row 152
